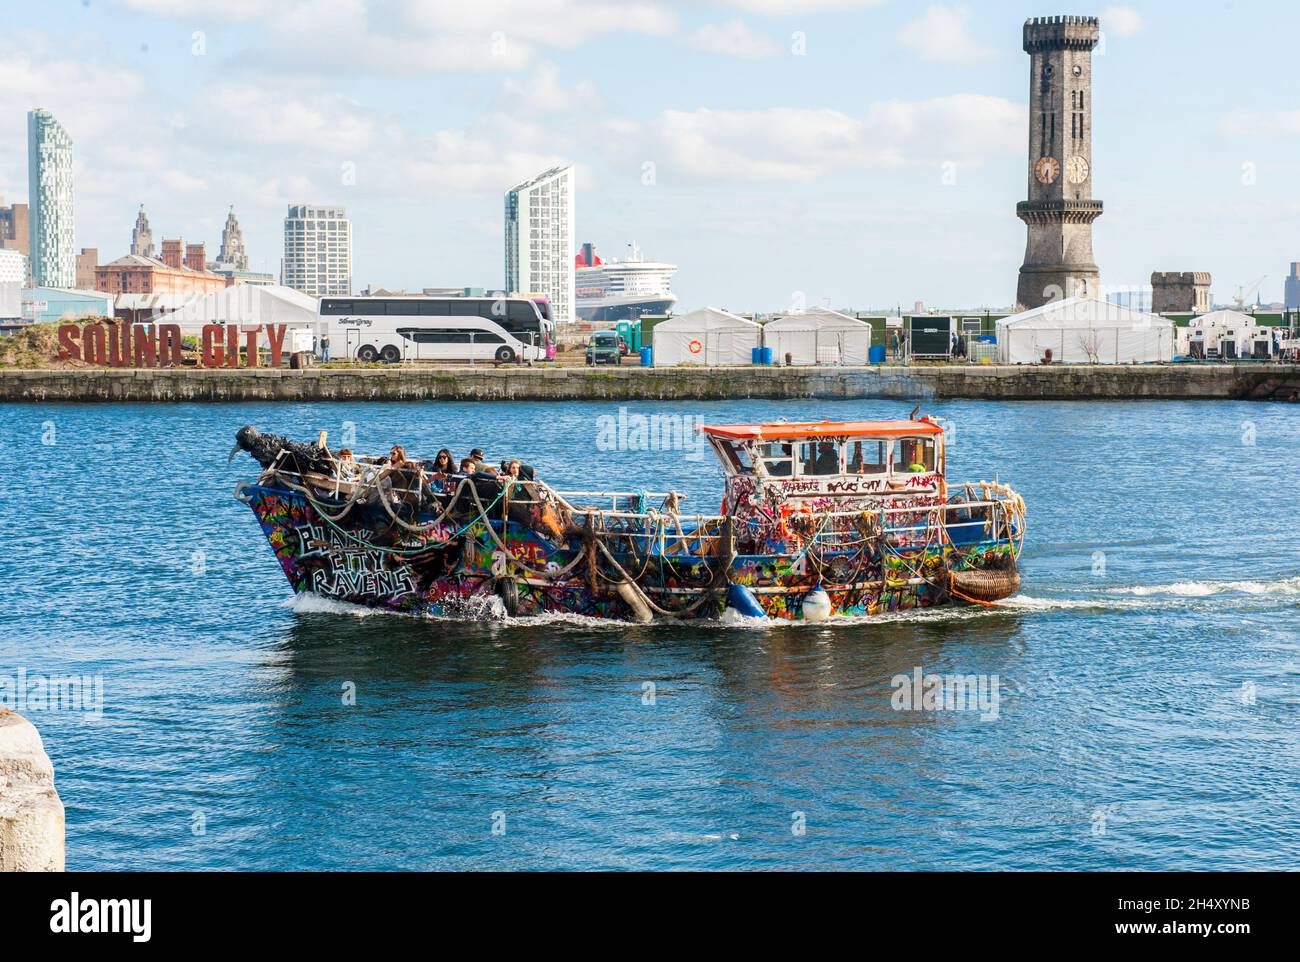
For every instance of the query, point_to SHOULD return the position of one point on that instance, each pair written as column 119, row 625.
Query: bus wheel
column 390, row 354
column 506, row 355
column 366, row 354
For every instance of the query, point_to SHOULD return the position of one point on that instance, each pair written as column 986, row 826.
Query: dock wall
column 984, row 382
column 31, row 814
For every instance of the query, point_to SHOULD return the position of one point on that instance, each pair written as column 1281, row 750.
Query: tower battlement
column 1061, row 33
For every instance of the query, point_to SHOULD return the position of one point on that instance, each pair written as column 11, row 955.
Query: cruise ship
column 619, row 290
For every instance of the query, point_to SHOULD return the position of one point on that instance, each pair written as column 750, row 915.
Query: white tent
column 818, row 336
column 1214, row 332
column 709, row 337
column 1082, row 330
column 244, row 304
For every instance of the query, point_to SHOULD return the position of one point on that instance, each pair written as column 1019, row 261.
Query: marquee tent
column 1226, row 333
column 818, row 336
column 708, row 337
column 244, row 304
column 1082, row 330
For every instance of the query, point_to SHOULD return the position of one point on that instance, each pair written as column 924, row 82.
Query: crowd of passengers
column 443, row 471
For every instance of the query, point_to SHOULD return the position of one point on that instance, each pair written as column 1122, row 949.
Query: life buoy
column 784, row 513
column 695, row 347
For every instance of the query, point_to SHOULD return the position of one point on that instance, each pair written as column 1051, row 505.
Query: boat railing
column 665, row 529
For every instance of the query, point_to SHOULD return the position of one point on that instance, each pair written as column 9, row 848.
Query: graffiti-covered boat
column 818, row 520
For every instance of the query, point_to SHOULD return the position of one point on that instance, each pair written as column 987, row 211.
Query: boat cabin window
column 819, row 458
column 868, row 457
column 738, row 456
column 914, row 456
column 778, row 459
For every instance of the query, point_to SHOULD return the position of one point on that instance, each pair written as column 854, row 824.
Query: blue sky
column 774, row 149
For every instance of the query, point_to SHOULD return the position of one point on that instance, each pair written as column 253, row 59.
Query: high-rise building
column 1293, row 288
column 49, row 179
column 540, row 240
column 232, row 255
column 87, row 261
column 1060, row 210
column 317, row 251
column 14, row 228
column 142, row 236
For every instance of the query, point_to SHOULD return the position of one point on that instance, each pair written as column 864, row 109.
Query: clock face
column 1047, row 170
column 1076, row 168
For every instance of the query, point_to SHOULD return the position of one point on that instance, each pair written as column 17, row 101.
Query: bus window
column 521, row 316
column 913, row 456
column 868, row 457
column 819, row 458
column 404, row 308
column 332, row 307
column 434, row 308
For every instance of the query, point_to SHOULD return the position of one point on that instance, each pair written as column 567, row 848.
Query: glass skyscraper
column 49, row 179
column 540, row 240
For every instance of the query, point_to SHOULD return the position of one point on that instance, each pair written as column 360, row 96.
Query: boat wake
column 1203, row 589
column 1124, row 598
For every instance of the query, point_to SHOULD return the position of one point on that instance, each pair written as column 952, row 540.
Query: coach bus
column 394, row 329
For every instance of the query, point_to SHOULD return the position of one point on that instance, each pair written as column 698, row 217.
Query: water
column 1162, row 587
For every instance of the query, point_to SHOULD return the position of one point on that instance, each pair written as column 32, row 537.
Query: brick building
column 135, row 274
column 13, row 227
column 87, row 261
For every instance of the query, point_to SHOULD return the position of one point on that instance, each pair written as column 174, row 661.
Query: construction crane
column 1245, row 294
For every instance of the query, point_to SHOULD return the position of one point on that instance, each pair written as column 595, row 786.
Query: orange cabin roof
column 789, row 430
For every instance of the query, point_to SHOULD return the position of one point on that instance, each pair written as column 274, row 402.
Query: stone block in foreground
column 31, row 813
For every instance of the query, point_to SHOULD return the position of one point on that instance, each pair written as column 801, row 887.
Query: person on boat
column 467, row 466
column 347, row 467
column 477, row 456
column 443, row 463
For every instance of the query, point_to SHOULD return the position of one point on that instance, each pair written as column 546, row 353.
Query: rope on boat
column 1008, row 513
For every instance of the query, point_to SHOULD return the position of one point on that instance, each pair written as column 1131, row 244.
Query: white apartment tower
column 49, row 185
column 317, row 251
column 540, row 240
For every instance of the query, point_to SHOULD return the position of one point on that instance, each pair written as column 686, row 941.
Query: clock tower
column 1060, row 209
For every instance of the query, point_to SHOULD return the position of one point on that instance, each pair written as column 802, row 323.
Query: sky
column 852, row 153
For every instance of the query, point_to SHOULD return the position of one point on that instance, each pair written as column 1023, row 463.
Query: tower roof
column 1061, row 33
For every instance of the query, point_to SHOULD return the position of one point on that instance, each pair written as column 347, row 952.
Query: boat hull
column 451, row 571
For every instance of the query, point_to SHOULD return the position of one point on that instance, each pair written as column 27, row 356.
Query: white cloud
column 791, row 144
column 734, row 39
column 1121, row 21
column 553, row 23
column 303, row 119
column 1250, row 123
column 543, row 93
column 781, row 8
column 942, row 35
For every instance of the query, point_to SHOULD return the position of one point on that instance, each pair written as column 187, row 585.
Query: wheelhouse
column 894, row 453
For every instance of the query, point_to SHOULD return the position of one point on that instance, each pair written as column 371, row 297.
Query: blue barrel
column 876, row 354
column 766, row 356
column 647, row 357
column 755, row 355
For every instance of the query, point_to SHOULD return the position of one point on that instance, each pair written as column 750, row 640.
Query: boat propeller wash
column 818, row 520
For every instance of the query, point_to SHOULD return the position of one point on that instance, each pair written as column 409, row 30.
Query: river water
column 1146, row 678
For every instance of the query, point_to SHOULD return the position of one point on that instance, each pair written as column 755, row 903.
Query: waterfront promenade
column 464, row 383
